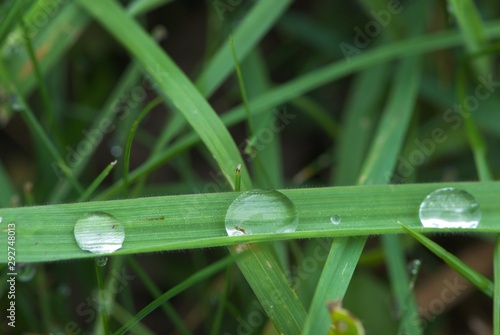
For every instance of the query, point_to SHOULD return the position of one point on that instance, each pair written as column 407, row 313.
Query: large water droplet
column 335, row 219
column 261, row 212
column 450, row 208
column 99, row 233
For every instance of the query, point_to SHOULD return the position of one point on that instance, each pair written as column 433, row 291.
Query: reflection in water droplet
column 99, row 233
column 101, row 261
column 261, row 212
column 335, row 219
column 450, row 208
column 26, row 272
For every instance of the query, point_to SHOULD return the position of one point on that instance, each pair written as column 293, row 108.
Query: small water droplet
column 26, row 272
column 335, row 219
column 261, row 212
column 101, row 261
column 15, row 103
column 99, row 233
column 1, row 219
column 414, row 267
column 450, row 208
column 116, row 151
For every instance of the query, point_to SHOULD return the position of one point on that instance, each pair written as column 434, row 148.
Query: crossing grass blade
column 377, row 169
column 481, row 282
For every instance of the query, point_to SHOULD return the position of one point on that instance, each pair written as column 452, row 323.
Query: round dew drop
column 449, row 208
column 261, row 212
column 99, row 233
column 335, row 219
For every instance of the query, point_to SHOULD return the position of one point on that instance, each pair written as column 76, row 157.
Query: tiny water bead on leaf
column 261, row 212
column 449, row 208
column 99, row 233
column 26, row 272
column 335, row 219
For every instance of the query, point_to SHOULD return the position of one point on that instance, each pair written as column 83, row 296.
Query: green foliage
column 331, row 103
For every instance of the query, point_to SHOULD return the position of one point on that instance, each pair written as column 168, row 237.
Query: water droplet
column 261, row 212
column 26, row 272
column 15, row 103
column 1, row 219
column 450, row 208
column 335, row 219
column 101, row 261
column 414, row 267
column 116, row 151
column 99, row 233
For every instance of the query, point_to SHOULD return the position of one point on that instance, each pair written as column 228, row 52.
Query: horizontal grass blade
column 197, row 221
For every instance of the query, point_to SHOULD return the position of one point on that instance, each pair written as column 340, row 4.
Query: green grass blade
column 139, row 7
column 198, row 276
column 153, row 289
column 249, row 32
column 496, row 294
column 128, row 147
column 95, row 184
column 376, row 170
column 478, row 280
column 469, row 22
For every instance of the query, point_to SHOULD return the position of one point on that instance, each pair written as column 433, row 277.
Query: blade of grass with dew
column 196, row 221
column 469, row 22
column 172, row 82
column 315, row 79
column 478, row 280
column 95, row 184
column 403, row 292
column 193, row 279
column 155, row 102
column 155, row 292
column 377, row 168
column 175, row 85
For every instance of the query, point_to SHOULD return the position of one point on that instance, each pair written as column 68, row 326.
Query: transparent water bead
column 335, row 219
column 101, row 261
column 450, row 208
column 99, row 233
column 261, row 212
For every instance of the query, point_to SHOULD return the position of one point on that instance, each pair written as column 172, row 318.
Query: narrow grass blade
column 496, row 294
column 197, row 221
column 469, row 22
column 376, row 170
column 139, row 7
column 128, row 147
column 264, row 274
column 168, row 309
column 198, row 276
column 95, row 184
column 478, row 280
column 249, row 32
column 173, row 83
